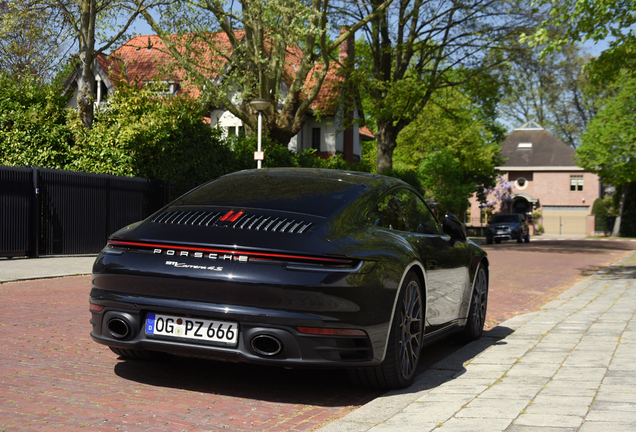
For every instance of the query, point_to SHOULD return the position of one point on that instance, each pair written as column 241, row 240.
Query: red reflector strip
column 226, row 215
column 331, row 331
column 95, row 307
column 256, row 255
column 235, row 217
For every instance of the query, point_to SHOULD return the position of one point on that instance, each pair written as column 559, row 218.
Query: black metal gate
column 54, row 212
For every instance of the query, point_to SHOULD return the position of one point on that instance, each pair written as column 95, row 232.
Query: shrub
column 599, row 210
column 33, row 130
column 139, row 134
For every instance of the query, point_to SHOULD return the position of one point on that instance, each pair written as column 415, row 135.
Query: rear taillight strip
column 251, row 254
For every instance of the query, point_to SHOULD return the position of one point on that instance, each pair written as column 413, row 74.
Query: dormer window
column 163, row 88
column 524, row 146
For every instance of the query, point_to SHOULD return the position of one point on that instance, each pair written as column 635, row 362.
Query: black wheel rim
column 410, row 329
column 480, row 300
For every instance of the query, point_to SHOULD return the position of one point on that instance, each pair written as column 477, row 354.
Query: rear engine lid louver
column 233, row 219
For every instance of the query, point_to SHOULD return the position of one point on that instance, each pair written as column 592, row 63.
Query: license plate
column 501, row 232
column 221, row 332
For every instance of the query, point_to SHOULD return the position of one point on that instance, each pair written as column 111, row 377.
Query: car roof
column 356, row 177
column 313, row 191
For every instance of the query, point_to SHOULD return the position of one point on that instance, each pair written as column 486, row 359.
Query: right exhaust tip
column 266, row 345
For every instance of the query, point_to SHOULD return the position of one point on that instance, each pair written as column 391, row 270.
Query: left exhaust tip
column 118, row 328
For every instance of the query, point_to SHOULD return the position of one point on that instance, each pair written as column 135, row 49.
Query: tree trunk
column 616, row 232
column 85, row 91
column 86, row 78
column 387, row 141
column 279, row 135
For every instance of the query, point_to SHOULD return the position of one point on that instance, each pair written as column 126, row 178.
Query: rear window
column 505, row 218
column 311, row 195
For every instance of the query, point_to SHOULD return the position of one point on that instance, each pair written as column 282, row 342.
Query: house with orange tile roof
column 145, row 60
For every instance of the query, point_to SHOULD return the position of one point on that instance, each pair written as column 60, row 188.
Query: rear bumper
column 263, row 299
column 296, row 349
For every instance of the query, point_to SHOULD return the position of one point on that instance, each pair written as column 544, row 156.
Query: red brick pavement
column 53, row 377
column 526, row 276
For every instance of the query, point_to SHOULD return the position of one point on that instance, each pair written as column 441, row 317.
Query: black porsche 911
column 295, row 268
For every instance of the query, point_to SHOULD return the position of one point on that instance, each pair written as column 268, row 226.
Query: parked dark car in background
column 508, row 227
column 295, row 268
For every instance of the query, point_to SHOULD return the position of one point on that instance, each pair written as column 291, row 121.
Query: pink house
column 547, row 185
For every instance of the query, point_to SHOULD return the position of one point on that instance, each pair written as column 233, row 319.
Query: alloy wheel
column 480, row 302
column 410, row 329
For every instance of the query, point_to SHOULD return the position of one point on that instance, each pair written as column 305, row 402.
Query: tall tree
column 453, row 147
column 611, row 21
column 553, row 91
column 277, row 50
column 95, row 25
column 416, row 43
column 609, row 142
column 31, row 42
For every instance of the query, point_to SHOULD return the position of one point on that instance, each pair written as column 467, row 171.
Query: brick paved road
column 526, row 276
column 53, row 377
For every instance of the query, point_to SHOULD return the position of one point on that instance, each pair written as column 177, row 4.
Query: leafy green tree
column 609, row 142
column 454, row 150
column 442, row 177
column 277, row 50
column 417, row 47
column 583, row 20
column 31, row 42
column 95, row 26
column 33, row 130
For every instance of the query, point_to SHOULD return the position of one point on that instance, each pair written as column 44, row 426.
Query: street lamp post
column 259, row 105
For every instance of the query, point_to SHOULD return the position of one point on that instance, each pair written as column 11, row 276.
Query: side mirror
column 454, row 227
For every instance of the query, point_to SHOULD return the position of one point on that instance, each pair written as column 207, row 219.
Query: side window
column 387, row 213
column 404, row 211
column 418, row 216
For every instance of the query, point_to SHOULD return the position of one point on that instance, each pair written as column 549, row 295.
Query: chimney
column 347, row 48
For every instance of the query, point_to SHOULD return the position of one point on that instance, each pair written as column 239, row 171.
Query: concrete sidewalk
column 45, row 267
column 569, row 367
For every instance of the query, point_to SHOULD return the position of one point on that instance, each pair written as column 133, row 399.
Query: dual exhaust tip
column 262, row 344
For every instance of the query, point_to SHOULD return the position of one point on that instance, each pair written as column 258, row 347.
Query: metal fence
column 53, row 212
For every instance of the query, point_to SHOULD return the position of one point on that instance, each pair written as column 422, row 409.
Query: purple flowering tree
column 501, row 193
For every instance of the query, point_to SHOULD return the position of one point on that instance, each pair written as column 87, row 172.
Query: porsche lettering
column 212, row 256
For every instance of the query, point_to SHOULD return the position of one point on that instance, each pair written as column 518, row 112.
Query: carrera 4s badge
column 184, row 265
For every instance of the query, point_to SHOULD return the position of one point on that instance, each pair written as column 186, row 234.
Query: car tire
column 527, row 239
column 497, row 241
column 133, row 353
column 404, row 349
column 488, row 241
column 478, row 306
column 520, row 239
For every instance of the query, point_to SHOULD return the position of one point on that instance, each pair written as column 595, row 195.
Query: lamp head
column 260, row 104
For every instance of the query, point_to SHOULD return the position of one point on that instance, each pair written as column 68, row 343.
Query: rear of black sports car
column 247, row 268
column 267, row 266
